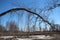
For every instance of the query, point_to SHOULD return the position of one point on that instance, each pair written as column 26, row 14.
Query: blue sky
column 8, row 4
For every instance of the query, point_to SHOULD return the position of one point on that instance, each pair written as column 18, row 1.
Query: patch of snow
column 24, row 39
column 41, row 37
column 6, row 37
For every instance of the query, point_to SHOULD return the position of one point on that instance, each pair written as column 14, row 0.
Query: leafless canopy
column 25, row 9
column 16, row 9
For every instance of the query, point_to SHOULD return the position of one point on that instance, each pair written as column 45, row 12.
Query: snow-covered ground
column 41, row 37
column 24, row 39
column 31, row 37
column 6, row 36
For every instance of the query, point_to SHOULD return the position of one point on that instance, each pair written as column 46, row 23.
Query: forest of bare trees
column 33, row 19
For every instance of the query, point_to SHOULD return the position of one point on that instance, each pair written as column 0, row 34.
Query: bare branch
column 16, row 9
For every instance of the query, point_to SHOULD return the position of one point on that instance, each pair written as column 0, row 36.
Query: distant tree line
column 42, row 16
column 13, row 27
